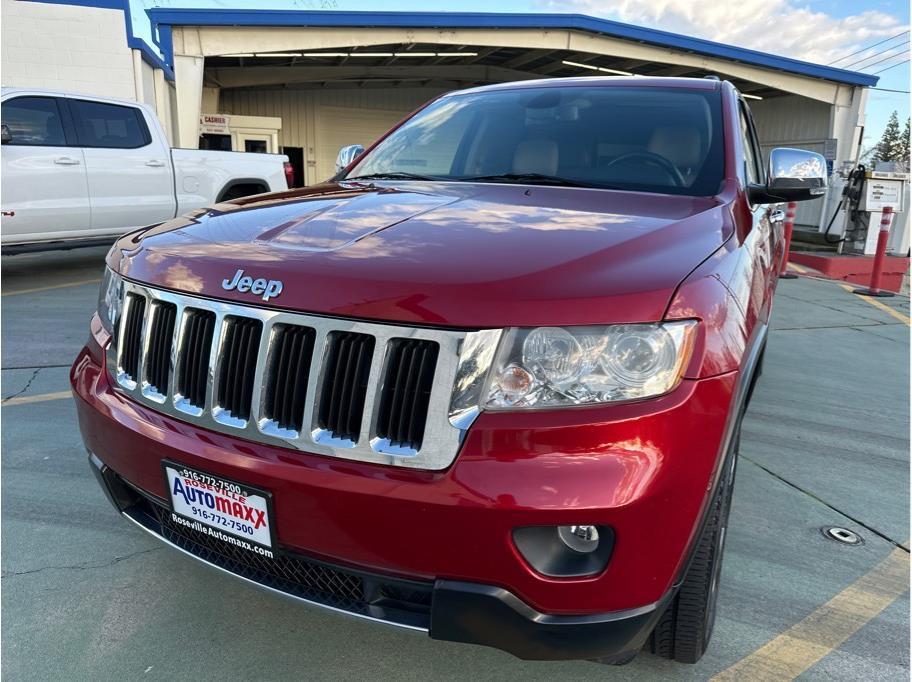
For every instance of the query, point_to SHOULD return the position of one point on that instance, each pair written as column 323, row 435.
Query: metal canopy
column 434, row 65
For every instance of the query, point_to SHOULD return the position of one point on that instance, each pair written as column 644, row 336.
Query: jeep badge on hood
column 266, row 289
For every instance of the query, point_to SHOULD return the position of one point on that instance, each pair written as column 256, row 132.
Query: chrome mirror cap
column 346, row 155
column 796, row 174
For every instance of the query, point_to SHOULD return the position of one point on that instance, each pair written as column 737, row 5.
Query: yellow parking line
column 39, row 398
column 799, row 268
column 805, row 643
column 877, row 304
column 52, row 286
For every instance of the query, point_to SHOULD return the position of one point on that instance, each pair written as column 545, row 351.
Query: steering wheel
column 655, row 159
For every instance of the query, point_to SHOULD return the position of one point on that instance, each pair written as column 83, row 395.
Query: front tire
column 684, row 630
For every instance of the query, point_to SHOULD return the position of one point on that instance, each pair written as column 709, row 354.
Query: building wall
column 794, row 122
column 64, row 47
column 146, row 80
column 306, row 114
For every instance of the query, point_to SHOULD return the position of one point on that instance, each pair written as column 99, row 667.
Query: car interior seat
column 682, row 146
column 536, row 156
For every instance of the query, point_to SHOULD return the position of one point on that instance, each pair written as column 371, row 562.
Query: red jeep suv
column 485, row 383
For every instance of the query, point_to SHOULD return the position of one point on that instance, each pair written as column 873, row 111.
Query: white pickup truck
column 79, row 169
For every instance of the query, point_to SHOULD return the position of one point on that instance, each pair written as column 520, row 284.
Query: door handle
column 66, row 161
column 777, row 216
column 155, row 163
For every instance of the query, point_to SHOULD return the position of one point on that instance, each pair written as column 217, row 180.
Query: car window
column 653, row 139
column 34, row 121
column 755, row 144
column 109, row 125
column 751, row 162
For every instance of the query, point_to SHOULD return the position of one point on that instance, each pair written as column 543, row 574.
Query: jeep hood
column 451, row 254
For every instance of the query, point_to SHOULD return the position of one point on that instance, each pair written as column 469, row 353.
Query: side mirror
column 794, row 175
column 346, row 155
column 5, row 136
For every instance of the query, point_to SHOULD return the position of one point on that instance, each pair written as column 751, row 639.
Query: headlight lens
column 110, row 299
column 557, row 366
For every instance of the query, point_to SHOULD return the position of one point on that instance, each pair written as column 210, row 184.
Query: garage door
column 340, row 126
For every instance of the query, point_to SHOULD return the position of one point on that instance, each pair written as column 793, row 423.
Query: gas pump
column 864, row 196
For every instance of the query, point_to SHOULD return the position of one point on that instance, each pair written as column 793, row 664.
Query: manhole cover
column 842, row 535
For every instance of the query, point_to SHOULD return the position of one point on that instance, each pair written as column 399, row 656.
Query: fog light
column 565, row 551
column 582, row 539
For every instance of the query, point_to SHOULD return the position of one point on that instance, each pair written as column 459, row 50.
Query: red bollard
column 789, row 228
column 879, row 255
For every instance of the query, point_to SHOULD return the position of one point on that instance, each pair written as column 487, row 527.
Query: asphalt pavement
column 86, row 595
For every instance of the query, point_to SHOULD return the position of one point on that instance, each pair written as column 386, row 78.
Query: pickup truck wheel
column 684, row 630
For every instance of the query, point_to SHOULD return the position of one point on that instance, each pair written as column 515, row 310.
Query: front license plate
column 232, row 512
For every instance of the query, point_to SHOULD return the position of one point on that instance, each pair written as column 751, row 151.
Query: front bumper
column 446, row 609
column 643, row 469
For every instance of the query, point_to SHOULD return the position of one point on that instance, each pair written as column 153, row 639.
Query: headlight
column 558, row 366
column 110, row 299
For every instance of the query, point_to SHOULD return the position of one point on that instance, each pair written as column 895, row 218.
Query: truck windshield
column 666, row 140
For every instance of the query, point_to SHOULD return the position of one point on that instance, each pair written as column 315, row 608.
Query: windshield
column 665, row 140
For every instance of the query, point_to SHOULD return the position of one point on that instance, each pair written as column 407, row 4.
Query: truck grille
column 357, row 390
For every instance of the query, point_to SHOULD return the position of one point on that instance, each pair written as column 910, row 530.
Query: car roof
column 6, row 90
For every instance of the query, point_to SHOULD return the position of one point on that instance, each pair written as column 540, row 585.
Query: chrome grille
column 358, row 390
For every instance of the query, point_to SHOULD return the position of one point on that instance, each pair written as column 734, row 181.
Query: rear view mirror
column 346, row 155
column 5, row 136
column 794, row 175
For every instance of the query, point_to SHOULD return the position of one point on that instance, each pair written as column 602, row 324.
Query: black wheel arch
column 225, row 193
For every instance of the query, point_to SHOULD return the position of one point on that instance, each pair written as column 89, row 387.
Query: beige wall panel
column 373, row 109
column 340, row 126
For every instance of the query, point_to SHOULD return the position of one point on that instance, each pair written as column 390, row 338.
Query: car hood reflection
column 455, row 254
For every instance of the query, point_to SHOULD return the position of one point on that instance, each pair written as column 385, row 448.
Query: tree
column 891, row 145
column 904, row 146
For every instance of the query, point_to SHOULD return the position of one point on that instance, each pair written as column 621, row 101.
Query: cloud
column 776, row 26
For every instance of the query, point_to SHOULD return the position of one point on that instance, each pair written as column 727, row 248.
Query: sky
column 834, row 32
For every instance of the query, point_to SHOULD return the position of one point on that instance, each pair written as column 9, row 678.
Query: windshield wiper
column 391, row 176
column 528, row 178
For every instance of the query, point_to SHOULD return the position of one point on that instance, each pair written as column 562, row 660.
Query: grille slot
column 289, row 369
column 131, row 350
column 345, row 376
column 406, row 391
column 161, row 337
column 193, row 372
column 237, row 365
